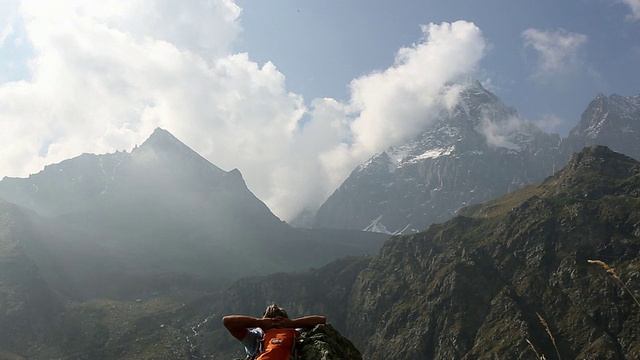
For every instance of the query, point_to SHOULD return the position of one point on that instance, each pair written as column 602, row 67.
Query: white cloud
column 499, row 133
column 397, row 102
column 206, row 28
column 558, row 50
column 550, row 123
column 104, row 74
column 635, row 8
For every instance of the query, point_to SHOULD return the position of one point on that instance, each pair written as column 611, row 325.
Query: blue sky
column 295, row 94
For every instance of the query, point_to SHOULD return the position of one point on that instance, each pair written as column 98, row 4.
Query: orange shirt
column 278, row 344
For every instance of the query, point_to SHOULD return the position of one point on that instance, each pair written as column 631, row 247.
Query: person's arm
column 238, row 324
column 306, row 322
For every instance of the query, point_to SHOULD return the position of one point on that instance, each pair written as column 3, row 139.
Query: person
column 272, row 337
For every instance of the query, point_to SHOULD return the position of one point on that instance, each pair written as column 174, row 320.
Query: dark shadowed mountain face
column 480, row 285
column 475, row 153
column 113, row 221
column 29, row 308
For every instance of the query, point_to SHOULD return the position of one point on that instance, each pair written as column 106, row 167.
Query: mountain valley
column 137, row 255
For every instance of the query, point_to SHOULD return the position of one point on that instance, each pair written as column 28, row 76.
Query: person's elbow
column 319, row 319
column 227, row 321
column 234, row 327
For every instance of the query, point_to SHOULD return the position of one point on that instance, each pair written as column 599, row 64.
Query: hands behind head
column 276, row 322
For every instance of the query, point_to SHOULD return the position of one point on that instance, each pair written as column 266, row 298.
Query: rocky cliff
column 325, row 343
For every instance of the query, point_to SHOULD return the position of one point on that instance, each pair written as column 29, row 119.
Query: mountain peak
column 593, row 173
column 162, row 139
column 602, row 161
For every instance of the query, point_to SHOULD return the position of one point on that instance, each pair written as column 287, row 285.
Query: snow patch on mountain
column 596, row 128
column 414, row 153
column 432, row 154
column 397, row 155
column 376, row 225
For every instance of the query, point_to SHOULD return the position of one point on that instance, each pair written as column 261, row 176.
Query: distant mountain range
column 478, row 151
column 116, row 224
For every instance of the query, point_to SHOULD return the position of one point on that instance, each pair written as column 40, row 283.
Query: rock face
column 495, row 281
column 325, row 343
column 475, row 153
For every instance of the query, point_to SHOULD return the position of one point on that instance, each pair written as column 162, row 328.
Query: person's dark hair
column 274, row 310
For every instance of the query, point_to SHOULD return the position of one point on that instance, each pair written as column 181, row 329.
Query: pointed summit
column 602, row 161
column 594, row 173
column 161, row 139
column 162, row 144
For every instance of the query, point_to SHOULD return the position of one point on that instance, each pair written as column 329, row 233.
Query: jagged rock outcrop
column 324, row 342
column 480, row 285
